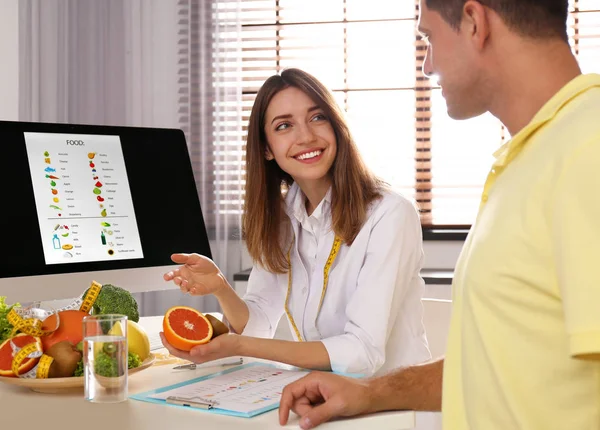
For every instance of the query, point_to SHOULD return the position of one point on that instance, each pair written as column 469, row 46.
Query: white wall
column 9, row 63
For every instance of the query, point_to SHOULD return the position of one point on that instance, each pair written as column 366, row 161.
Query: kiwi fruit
column 219, row 327
column 66, row 356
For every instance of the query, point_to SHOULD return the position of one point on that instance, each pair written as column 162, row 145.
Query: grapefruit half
column 6, row 355
column 185, row 327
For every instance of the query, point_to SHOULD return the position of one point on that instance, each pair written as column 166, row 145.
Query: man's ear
column 268, row 154
column 476, row 22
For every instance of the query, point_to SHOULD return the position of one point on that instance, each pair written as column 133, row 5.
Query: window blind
column 369, row 54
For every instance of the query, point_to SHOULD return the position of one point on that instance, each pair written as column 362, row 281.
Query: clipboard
column 243, row 391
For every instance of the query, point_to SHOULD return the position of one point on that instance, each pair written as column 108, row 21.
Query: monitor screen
column 82, row 202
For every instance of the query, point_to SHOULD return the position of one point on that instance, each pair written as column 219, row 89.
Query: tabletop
column 69, row 410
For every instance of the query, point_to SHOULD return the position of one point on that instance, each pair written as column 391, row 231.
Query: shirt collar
column 296, row 204
column 566, row 94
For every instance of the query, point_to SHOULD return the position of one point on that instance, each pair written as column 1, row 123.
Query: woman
column 335, row 250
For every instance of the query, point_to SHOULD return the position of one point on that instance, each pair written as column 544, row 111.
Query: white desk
column 71, row 411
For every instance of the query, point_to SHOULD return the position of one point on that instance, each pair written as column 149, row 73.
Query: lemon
column 137, row 339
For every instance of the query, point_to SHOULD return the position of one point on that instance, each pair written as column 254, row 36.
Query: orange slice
column 185, row 327
column 6, row 355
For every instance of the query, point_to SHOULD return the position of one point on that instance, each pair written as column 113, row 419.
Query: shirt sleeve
column 391, row 263
column 576, row 237
column 264, row 298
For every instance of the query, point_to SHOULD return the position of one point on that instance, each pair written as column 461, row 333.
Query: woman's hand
column 198, row 275
column 226, row 345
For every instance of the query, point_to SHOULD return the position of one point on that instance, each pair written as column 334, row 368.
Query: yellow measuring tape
column 335, row 248
column 90, row 297
column 32, row 350
column 31, row 322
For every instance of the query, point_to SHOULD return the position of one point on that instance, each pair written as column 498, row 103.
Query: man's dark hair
column 530, row 18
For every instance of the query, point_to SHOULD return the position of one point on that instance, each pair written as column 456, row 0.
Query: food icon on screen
column 110, row 232
column 101, row 205
column 92, row 165
column 100, row 199
column 56, row 227
column 56, row 207
column 55, row 192
column 67, row 246
column 102, row 238
column 111, row 252
column 94, row 170
column 52, row 177
column 56, row 242
column 65, row 235
column 46, row 154
column 49, row 170
column 97, row 191
column 95, row 178
column 105, row 224
column 103, row 213
column 55, row 199
column 52, row 184
column 68, row 255
column 99, row 184
column 91, row 155
column 47, row 160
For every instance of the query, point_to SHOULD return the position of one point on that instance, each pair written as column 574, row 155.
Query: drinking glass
column 105, row 358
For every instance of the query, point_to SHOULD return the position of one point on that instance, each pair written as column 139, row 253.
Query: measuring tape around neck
column 335, row 248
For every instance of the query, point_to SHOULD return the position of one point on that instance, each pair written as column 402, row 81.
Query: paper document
column 246, row 390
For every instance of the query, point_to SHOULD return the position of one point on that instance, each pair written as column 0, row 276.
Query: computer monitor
column 82, row 202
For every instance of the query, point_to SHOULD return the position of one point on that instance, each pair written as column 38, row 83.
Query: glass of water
column 105, row 358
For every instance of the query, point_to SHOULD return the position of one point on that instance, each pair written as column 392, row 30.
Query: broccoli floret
column 116, row 300
column 106, row 365
column 79, row 368
column 133, row 360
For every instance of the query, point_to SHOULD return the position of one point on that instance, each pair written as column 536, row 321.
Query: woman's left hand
column 226, row 345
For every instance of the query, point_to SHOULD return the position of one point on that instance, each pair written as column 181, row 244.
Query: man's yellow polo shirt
column 526, row 289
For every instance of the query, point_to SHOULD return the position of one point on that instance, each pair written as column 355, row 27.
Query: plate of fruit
column 58, row 339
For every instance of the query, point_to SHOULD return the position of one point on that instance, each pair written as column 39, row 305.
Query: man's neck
column 530, row 77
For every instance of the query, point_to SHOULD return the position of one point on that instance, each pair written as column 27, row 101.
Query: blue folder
column 145, row 397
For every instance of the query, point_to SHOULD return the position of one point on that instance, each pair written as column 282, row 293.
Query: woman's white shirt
column 371, row 319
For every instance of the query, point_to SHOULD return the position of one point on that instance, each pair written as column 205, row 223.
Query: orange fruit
column 185, row 327
column 6, row 355
column 70, row 328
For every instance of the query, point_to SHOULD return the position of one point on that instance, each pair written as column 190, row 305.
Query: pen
column 192, row 403
column 192, row 366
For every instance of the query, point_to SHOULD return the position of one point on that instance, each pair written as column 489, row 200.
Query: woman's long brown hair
column 265, row 225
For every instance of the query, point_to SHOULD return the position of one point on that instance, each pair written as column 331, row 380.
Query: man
column 524, row 344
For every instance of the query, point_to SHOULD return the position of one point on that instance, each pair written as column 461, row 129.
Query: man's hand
column 198, row 276
column 319, row 397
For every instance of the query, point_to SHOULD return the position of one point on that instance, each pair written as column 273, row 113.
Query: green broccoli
column 108, row 364
column 116, row 300
column 133, row 360
column 105, row 365
column 79, row 368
